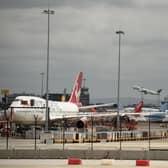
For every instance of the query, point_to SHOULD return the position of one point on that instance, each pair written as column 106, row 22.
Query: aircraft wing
column 84, row 114
column 82, row 108
column 92, row 114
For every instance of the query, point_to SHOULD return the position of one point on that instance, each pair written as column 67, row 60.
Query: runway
column 55, row 163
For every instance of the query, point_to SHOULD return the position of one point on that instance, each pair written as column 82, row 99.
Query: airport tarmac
column 58, row 163
column 125, row 145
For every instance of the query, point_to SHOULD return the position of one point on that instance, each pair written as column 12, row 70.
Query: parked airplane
column 146, row 91
column 145, row 114
column 24, row 109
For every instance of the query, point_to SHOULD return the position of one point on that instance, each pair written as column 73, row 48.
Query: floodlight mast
column 48, row 12
column 118, row 89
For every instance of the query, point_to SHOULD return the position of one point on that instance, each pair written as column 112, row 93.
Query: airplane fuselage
column 25, row 108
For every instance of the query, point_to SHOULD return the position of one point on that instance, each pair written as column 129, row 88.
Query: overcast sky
column 83, row 38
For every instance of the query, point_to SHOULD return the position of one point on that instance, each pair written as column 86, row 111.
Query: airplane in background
column 140, row 109
column 140, row 113
column 147, row 91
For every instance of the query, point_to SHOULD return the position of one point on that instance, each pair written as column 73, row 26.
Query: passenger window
column 32, row 102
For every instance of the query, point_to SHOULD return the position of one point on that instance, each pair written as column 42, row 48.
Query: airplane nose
column 10, row 113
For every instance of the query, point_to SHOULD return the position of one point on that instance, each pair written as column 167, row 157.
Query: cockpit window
column 24, row 102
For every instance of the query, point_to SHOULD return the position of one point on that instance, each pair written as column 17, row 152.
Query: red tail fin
column 138, row 107
column 75, row 95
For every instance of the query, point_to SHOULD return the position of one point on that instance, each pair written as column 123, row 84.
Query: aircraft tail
column 159, row 90
column 75, row 95
column 138, row 107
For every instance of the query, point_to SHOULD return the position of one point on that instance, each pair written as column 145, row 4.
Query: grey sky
column 83, row 39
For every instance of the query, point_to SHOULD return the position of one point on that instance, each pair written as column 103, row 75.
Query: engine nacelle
column 126, row 122
column 82, row 123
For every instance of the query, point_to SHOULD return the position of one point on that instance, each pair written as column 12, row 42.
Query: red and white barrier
column 142, row 163
column 107, row 162
column 74, row 161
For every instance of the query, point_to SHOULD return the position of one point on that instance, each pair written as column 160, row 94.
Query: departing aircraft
column 146, row 91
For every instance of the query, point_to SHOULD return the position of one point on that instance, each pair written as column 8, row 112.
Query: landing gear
column 126, row 123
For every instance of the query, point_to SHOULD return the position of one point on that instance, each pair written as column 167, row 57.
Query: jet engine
column 82, row 123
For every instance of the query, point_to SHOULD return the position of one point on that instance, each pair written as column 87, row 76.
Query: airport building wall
column 83, row 154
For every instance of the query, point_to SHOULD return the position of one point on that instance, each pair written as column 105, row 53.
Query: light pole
column 118, row 90
column 149, row 134
column 5, row 92
column 42, row 79
column 63, row 132
column 35, row 131
column 159, row 96
column 48, row 12
column 84, row 80
column 92, row 122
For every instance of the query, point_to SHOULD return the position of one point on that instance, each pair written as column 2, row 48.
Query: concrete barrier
column 83, row 154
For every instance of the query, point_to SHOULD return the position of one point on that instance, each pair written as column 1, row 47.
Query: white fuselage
column 146, row 113
column 25, row 108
